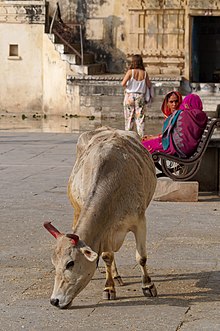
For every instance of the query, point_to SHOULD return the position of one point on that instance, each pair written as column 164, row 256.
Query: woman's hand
column 150, row 137
column 147, row 137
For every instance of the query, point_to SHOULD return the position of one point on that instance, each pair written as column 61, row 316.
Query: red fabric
column 155, row 145
column 164, row 107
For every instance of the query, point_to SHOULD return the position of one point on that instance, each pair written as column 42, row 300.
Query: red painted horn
column 74, row 238
column 52, row 229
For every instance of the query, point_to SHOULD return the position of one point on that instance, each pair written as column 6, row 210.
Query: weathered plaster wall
column 115, row 29
column 158, row 29
column 101, row 97
column 35, row 80
column 54, row 80
column 21, row 78
column 105, row 30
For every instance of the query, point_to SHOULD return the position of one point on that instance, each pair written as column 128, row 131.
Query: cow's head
column 75, row 265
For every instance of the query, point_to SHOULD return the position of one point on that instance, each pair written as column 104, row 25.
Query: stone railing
column 206, row 88
column 30, row 12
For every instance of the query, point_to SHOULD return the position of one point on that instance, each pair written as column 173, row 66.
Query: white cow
column 110, row 187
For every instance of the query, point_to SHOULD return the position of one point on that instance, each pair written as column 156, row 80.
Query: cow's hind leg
column 148, row 286
column 109, row 290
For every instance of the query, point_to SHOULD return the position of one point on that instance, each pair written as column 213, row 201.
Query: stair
column 89, row 66
column 89, row 69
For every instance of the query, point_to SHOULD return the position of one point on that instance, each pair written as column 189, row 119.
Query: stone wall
column 55, row 99
column 37, row 79
column 21, row 40
column 158, row 29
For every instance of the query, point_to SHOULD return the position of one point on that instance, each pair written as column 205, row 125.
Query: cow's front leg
column 148, row 286
column 115, row 274
column 109, row 290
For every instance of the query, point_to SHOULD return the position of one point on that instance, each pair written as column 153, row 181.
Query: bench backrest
column 185, row 168
column 207, row 134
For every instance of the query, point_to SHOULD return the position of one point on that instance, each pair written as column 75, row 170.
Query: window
column 13, row 52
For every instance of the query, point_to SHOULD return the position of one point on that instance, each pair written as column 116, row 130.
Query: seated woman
column 182, row 130
column 171, row 102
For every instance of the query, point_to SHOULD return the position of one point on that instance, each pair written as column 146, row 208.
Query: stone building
column 42, row 70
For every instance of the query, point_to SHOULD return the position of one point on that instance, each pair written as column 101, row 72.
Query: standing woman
column 136, row 82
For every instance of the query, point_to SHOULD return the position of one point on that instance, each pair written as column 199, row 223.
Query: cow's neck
column 93, row 224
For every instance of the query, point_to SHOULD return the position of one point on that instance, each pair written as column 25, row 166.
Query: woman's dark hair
column 137, row 62
column 170, row 94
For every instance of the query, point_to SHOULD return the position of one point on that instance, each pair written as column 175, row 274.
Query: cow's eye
column 70, row 265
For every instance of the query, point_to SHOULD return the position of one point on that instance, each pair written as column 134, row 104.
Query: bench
column 181, row 169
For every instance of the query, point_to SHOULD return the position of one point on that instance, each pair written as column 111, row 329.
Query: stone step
column 90, row 69
column 77, row 47
column 63, row 49
column 59, row 48
column 68, row 55
column 172, row 191
column 88, row 58
column 89, row 66
column 51, row 36
column 70, row 58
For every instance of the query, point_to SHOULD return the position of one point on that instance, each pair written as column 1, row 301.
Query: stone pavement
column 183, row 249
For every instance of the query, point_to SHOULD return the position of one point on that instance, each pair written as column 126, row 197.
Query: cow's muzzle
column 55, row 302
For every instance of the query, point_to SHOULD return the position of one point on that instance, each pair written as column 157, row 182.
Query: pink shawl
column 182, row 130
column 189, row 126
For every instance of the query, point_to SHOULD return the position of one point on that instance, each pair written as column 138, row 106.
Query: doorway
column 205, row 48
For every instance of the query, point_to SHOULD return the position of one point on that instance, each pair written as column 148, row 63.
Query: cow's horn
column 74, row 238
column 52, row 229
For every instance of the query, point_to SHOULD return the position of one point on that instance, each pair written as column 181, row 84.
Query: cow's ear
column 74, row 238
column 88, row 253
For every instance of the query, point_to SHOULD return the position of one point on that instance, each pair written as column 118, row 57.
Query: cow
column 110, row 187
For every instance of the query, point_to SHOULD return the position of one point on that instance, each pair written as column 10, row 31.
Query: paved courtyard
column 183, row 248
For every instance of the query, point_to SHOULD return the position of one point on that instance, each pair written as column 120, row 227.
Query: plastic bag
column 149, row 95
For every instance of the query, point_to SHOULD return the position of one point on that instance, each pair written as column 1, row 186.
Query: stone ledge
column 169, row 190
column 118, row 77
column 26, row 12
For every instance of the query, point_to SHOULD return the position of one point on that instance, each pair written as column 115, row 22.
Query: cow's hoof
column 150, row 291
column 109, row 295
column 119, row 280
